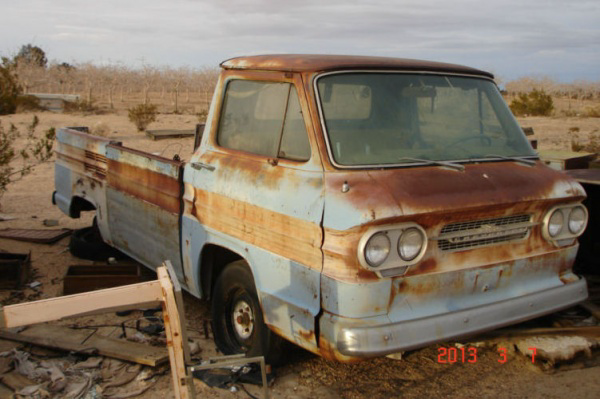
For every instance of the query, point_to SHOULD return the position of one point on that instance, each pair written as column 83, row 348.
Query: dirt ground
column 418, row 374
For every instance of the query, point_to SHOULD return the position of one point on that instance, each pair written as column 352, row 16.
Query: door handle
column 200, row 166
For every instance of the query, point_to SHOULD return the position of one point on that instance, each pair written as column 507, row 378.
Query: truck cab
column 355, row 206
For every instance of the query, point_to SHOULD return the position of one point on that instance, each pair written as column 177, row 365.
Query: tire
column 87, row 244
column 235, row 294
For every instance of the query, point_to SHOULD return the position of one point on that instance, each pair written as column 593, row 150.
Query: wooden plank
column 85, row 278
column 35, row 235
column 181, row 311
column 16, row 381
column 182, row 380
column 64, row 338
column 112, row 299
column 5, row 392
column 169, row 133
column 5, row 346
column 14, row 269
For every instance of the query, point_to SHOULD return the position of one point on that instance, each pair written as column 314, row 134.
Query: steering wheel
column 474, row 137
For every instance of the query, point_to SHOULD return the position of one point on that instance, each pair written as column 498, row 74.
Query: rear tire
column 87, row 244
column 238, row 323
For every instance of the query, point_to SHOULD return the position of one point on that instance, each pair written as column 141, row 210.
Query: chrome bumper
column 367, row 340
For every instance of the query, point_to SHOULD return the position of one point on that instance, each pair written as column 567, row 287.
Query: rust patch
column 413, row 191
column 319, row 62
column 290, row 237
column 307, row 335
column 152, row 187
column 340, row 260
column 329, row 352
column 425, row 266
column 235, row 165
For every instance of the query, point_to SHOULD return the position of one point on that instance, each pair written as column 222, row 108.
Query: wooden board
column 14, row 270
column 35, row 235
column 114, row 299
column 5, row 345
column 5, row 392
column 84, row 278
column 169, row 134
column 16, row 381
column 58, row 337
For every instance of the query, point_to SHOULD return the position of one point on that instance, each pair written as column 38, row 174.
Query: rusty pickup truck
column 355, row 206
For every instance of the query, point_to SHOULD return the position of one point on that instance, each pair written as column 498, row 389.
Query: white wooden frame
column 164, row 291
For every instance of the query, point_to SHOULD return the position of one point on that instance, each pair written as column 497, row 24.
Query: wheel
column 238, row 323
column 87, row 243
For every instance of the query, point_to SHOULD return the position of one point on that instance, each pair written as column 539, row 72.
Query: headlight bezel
column 565, row 236
column 394, row 264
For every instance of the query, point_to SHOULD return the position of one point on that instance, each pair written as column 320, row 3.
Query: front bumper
column 369, row 339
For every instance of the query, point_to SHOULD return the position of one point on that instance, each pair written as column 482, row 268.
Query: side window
column 263, row 118
column 294, row 139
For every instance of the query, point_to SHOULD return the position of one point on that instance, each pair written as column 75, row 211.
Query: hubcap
column 243, row 319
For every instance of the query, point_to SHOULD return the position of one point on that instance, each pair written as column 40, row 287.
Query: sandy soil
column 417, row 375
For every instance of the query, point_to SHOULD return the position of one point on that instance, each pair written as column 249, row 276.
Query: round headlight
column 410, row 244
column 577, row 220
column 555, row 223
column 377, row 249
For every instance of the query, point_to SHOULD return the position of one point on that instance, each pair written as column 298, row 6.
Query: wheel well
column 79, row 204
column 213, row 260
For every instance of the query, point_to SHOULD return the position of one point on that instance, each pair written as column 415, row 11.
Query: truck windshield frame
column 384, row 119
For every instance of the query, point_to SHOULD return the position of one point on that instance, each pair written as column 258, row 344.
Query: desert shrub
column 27, row 102
column 9, row 88
column 143, row 115
column 81, row 106
column 592, row 112
column 35, row 151
column 535, row 103
column 593, row 145
column 202, row 115
column 569, row 113
column 101, row 129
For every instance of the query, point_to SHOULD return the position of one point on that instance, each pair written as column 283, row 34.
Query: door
column 258, row 188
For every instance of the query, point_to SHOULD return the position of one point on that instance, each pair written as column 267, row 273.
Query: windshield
column 395, row 118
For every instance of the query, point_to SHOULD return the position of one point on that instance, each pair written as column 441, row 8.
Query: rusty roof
column 321, row 63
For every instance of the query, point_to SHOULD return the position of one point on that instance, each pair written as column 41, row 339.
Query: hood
column 390, row 193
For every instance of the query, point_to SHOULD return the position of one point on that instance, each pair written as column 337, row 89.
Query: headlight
column 564, row 223
column 410, row 244
column 555, row 223
column 377, row 249
column 390, row 250
column 577, row 220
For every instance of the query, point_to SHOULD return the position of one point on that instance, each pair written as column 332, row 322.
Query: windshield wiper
column 447, row 164
column 528, row 162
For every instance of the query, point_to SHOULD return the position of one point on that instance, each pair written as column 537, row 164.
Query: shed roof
column 322, row 63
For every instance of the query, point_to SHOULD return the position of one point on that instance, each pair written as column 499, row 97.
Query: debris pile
column 31, row 376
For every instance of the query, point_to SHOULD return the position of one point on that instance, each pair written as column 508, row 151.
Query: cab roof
column 323, row 63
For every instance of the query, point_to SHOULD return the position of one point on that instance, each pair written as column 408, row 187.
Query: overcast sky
column 511, row 38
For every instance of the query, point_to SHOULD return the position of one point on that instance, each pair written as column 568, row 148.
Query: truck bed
column 137, row 195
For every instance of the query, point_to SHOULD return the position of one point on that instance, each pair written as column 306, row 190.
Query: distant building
column 55, row 102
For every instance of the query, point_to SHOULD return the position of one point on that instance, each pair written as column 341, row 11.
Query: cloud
column 510, row 37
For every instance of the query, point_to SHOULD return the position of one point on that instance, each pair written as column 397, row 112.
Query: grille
column 95, row 157
column 479, row 233
column 98, row 164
